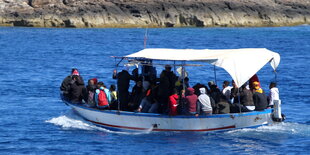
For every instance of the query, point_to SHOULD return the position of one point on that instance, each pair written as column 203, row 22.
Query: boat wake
column 284, row 128
column 70, row 121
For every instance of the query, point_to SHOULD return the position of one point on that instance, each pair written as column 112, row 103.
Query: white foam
column 278, row 128
column 68, row 122
column 72, row 121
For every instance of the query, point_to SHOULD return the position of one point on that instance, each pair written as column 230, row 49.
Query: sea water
column 34, row 61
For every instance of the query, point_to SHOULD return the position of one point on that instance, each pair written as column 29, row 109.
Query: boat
column 241, row 64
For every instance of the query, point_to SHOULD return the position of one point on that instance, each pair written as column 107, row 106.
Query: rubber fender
column 278, row 119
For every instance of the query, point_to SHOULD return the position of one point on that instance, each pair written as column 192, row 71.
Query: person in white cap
column 65, row 85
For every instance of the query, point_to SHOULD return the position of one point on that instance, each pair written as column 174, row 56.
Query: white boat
column 241, row 64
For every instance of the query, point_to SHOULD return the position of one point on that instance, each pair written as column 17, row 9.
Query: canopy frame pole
column 238, row 94
column 183, row 75
column 215, row 79
column 174, row 66
column 145, row 39
column 118, row 103
column 275, row 71
column 117, row 64
column 275, row 76
column 183, row 84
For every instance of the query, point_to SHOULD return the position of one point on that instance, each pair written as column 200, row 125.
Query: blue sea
column 34, row 61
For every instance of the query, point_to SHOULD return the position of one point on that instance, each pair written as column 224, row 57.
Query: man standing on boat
column 123, row 80
column 274, row 93
column 166, row 85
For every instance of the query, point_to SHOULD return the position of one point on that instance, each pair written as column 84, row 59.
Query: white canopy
column 241, row 64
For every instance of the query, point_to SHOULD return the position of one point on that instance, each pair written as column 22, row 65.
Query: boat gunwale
column 128, row 113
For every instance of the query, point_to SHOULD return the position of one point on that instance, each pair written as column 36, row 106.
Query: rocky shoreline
column 153, row 13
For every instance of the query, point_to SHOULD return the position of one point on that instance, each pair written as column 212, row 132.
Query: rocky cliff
column 153, row 13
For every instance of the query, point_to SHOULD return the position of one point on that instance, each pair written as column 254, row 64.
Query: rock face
column 153, row 13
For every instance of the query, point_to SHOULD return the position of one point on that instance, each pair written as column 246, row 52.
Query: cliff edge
column 153, row 13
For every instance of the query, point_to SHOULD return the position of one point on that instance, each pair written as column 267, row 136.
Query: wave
column 70, row 121
column 287, row 128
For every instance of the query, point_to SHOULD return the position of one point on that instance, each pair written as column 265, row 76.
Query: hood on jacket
column 190, row 91
column 175, row 96
column 202, row 90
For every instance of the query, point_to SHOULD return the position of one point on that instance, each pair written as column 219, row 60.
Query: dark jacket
column 89, row 95
column 260, row 101
column 65, row 85
column 152, row 94
column 76, row 90
column 164, row 86
column 246, row 98
column 215, row 93
column 123, row 80
column 234, row 95
column 136, row 97
column 169, row 78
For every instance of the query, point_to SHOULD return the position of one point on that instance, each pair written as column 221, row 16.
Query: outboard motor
column 277, row 116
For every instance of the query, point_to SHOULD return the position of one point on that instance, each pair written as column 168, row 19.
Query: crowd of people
column 168, row 94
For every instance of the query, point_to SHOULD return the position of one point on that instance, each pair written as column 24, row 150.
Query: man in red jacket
column 173, row 103
column 191, row 101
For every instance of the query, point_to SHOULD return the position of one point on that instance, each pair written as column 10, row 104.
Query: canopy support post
column 118, row 104
column 275, row 76
column 215, row 79
column 118, row 62
column 238, row 94
column 183, row 85
column 145, row 39
column 174, row 66
column 183, row 74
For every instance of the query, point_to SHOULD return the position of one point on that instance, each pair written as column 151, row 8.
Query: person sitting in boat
column 76, row 89
column 149, row 103
column 179, row 84
column 223, row 107
column 253, row 79
column 243, row 102
column 274, row 93
column 234, row 93
column 226, row 90
column 215, row 94
column 65, row 85
column 191, row 101
column 173, row 103
column 113, row 104
column 259, row 97
column 246, row 99
column 101, row 96
column 90, row 92
column 197, row 86
column 123, row 80
column 136, row 96
column 204, row 104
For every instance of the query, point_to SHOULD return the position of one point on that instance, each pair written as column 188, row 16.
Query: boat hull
column 123, row 120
